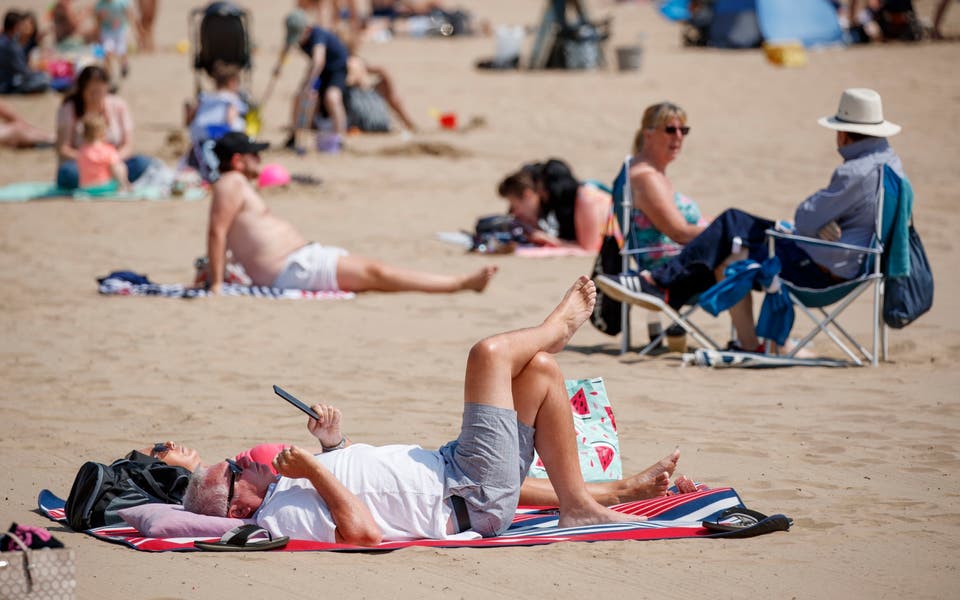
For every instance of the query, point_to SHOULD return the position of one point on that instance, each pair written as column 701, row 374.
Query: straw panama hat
column 860, row 111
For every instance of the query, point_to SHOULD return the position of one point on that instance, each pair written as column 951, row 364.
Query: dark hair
column 561, row 187
column 10, row 20
column 88, row 74
column 34, row 40
column 856, row 137
column 517, row 183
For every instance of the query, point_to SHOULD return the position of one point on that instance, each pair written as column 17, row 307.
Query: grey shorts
column 486, row 465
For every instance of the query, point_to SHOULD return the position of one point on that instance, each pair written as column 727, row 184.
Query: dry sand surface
column 864, row 460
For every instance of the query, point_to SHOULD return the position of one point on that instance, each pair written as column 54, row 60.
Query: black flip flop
column 245, row 538
column 740, row 522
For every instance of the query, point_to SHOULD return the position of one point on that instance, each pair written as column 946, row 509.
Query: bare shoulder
column 230, row 189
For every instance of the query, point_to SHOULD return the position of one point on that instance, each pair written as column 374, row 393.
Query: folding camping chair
column 633, row 254
column 814, row 302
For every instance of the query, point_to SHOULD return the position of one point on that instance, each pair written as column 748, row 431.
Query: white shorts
column 313, row 267
column 115, row 41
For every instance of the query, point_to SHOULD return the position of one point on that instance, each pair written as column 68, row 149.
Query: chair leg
column 624, row 328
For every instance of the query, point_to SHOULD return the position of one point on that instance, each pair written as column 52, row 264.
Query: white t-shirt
column 403, row 486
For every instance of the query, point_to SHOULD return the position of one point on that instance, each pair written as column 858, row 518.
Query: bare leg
column 515, row 370
column 20, row 134
column 359, row 274
column 148, row 13
column 386, row 89
column 652, row 482
column 333, row 101
column 938, row 14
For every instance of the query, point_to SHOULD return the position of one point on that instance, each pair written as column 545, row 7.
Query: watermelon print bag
column 597, row 440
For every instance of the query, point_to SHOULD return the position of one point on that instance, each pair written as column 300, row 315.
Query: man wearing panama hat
column 844, row 211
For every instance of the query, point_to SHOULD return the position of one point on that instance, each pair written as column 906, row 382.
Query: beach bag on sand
column 44, row 574
column 607, row 315
column 497, row 231
column 597, row 442
column 99, row 491
column 367, row 110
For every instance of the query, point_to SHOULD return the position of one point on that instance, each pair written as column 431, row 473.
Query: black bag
column 366, row 110
column 497, row 231
column 99, row 490
column 607, row 312
column 906, row 298
column 579, row 47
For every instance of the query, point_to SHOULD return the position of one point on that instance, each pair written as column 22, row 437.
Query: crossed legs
column 514, row 370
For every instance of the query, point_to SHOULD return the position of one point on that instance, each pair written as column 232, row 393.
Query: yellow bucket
column 785, row 54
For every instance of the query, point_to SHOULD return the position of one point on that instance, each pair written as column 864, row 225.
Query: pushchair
column 220, row 32
column 219, row 35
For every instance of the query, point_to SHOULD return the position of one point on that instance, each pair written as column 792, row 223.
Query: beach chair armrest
column 773, row 233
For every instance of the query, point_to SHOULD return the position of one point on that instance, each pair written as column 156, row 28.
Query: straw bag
column 46, row 574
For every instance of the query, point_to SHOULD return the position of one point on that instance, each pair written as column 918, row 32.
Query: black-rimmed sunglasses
column 672, row 130
column 159, row 448
column 235, row 471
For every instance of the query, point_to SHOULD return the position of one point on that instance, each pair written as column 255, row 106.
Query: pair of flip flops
column 740, row 522
column 245, row 538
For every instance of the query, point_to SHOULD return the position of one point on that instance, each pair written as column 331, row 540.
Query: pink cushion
column 170, row 520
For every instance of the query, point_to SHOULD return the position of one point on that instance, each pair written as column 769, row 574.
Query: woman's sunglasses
column 672, row 130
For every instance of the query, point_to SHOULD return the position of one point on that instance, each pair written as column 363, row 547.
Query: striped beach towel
column 668, row 517
column 118, row 286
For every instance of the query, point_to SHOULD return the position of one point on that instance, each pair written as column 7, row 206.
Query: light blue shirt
column 850, row 200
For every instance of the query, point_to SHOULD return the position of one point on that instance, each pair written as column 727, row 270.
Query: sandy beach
column 864, row 460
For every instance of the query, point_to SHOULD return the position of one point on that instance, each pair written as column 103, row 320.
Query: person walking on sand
column 514, row 401
column 274, row 253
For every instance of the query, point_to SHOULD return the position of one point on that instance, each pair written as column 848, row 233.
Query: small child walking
column 114, row 18
column 98, row 162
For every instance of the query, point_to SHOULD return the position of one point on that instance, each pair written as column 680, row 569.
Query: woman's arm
column 66, row 121
column 653, row 195
column 121, row 111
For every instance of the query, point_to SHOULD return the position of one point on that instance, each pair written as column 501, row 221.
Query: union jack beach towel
column 669, row 517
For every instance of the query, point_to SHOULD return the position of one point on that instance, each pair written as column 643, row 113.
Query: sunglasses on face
column 158, row 449
column 672, row 130
column 235, row 471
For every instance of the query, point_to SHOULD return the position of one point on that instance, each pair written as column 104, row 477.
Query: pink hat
column 272, row 175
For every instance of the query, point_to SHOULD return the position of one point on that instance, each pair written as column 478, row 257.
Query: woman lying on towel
column 649, row 483
column 557, row 209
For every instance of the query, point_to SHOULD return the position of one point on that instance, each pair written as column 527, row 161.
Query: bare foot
column 595, row 515
column 574, row 309
column 652, row 482
column 478, row 281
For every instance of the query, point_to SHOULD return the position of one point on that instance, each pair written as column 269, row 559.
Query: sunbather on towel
column 274, row 253
column 514, row 400
column 649, row 483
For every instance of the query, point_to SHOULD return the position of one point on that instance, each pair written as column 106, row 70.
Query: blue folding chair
column 895, row 197
column 635, row 258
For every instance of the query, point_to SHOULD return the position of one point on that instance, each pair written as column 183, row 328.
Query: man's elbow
column 361, row 536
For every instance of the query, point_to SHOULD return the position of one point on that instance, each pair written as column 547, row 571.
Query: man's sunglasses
column 672, row 130
column 235, row 471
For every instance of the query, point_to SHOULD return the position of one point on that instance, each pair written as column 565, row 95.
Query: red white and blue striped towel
column 668, row 517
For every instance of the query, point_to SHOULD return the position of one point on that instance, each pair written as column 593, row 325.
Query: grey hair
column 203, row 497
